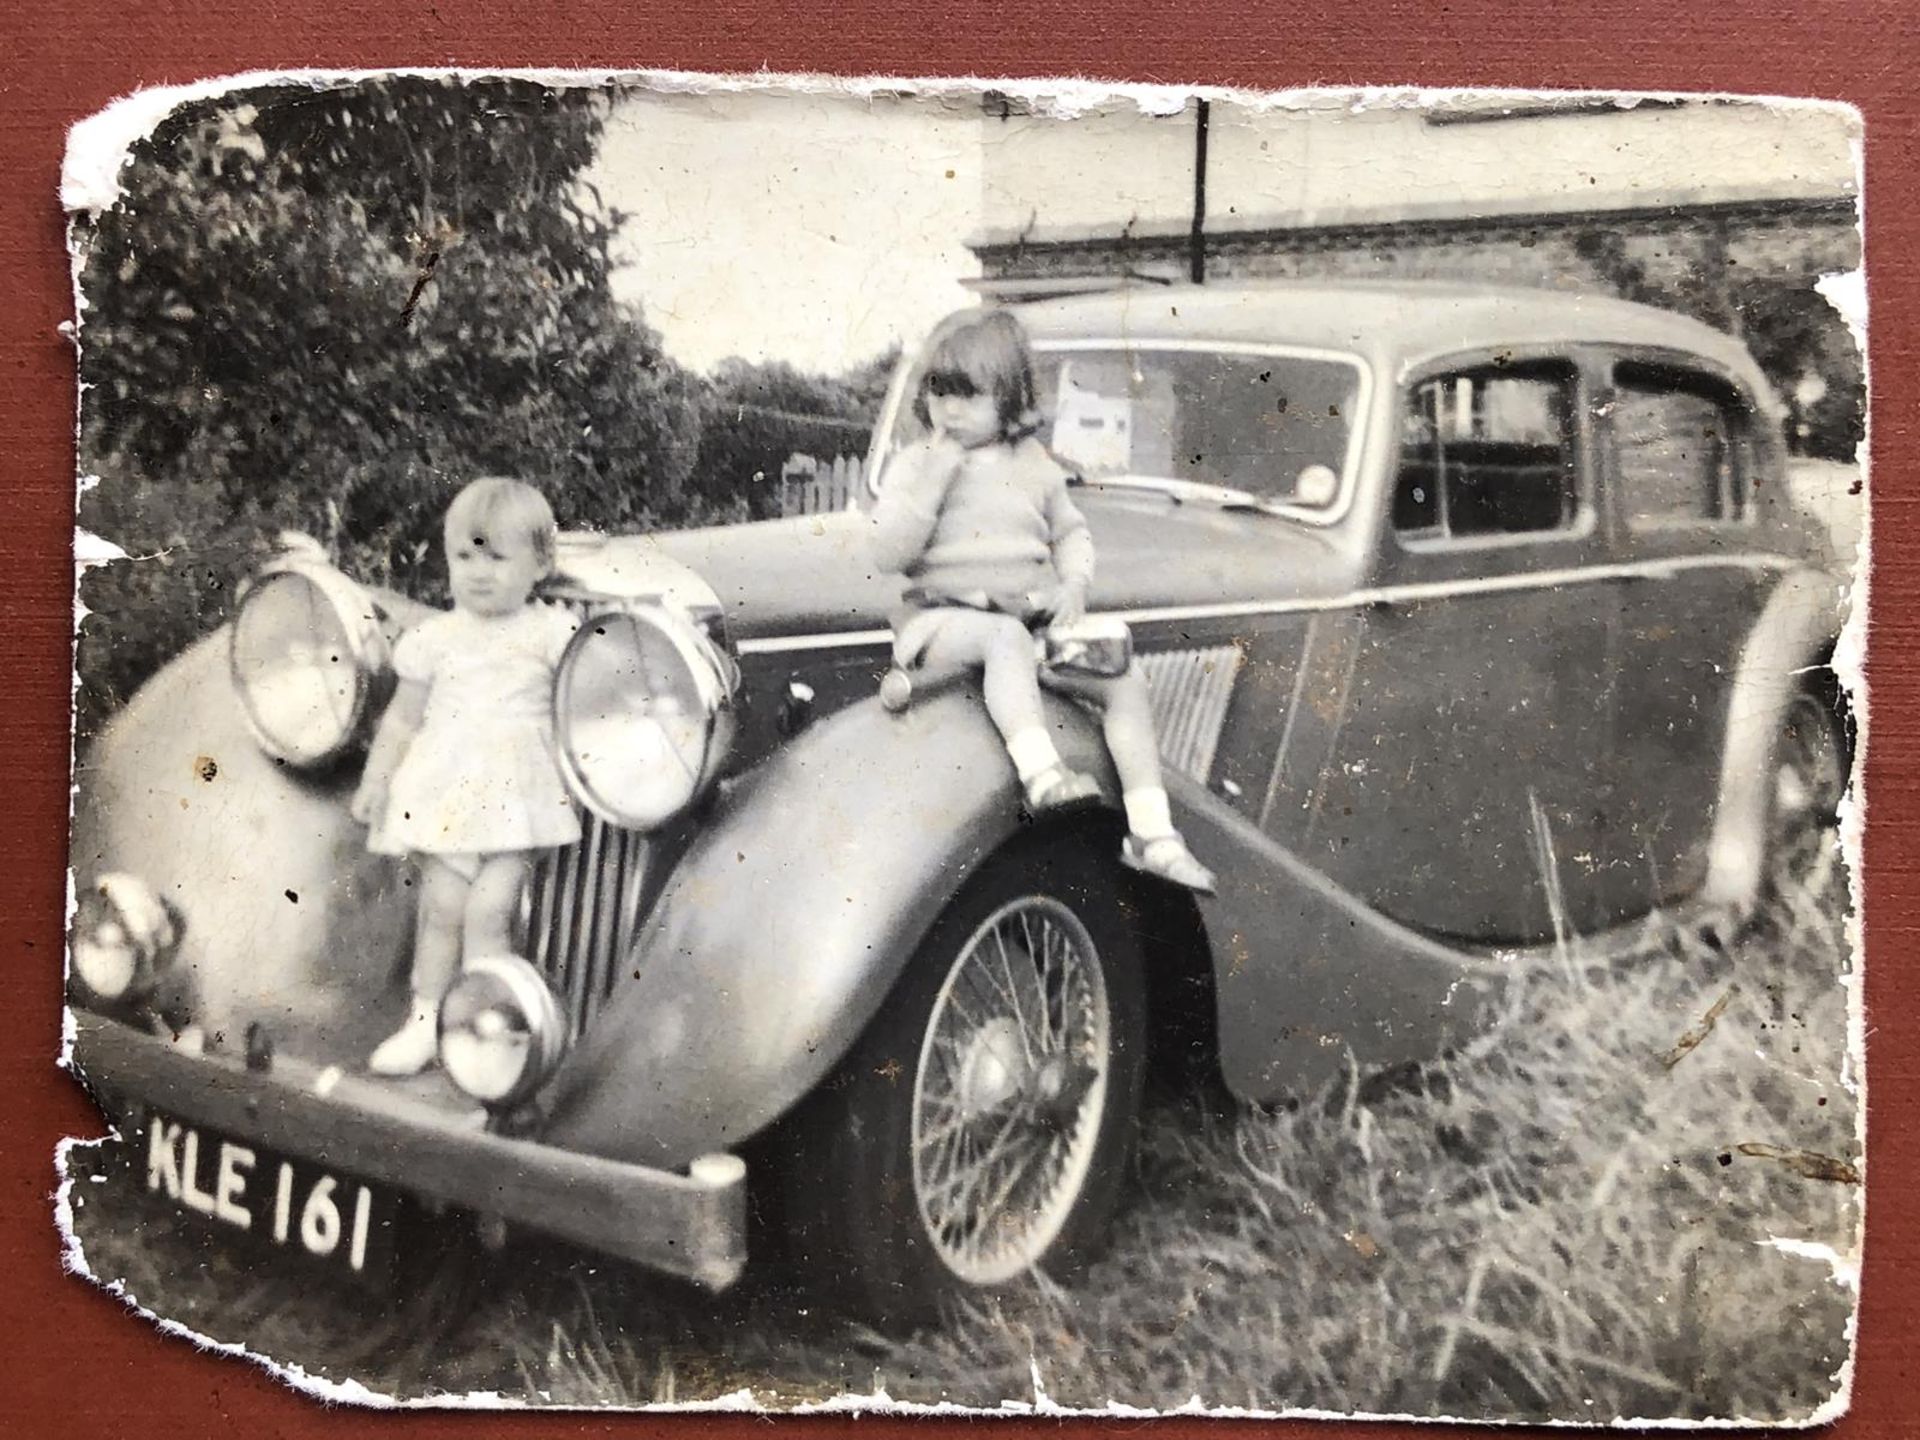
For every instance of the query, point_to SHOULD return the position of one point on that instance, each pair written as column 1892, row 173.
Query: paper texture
column 1474, row 490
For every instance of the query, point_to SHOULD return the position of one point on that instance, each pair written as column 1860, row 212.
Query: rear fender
column 1795, row 633
column 787, row 921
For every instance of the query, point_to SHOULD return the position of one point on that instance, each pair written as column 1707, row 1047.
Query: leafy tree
column 327, row 309
column 1812, row 359
column 760, row 415
column 1794, row 334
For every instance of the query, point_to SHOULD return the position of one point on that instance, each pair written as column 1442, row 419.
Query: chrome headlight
column 501, row 1034
column 123, row 938
column 305, row 650
column 643, row 713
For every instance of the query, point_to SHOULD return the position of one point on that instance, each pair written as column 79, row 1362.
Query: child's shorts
column 915, row 629
column 466, row 866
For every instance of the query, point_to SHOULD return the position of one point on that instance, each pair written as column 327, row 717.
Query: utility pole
column 1197, row 237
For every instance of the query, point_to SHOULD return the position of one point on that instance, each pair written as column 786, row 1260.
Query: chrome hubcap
column 1010, row 1090
column 992, row 1071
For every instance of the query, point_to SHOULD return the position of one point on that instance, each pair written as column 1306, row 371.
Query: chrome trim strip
column 827, row 640
column 1447, row 589
column 1353, row 599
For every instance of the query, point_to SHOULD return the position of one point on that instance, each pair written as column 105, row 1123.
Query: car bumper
column 691, row 1225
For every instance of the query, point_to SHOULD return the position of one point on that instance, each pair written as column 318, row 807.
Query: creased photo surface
column 806, row 743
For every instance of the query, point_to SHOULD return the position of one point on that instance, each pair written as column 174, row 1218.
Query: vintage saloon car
column 1473, row 620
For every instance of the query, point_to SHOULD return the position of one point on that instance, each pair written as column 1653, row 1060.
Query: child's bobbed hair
column 496, row 506
column 988, row 350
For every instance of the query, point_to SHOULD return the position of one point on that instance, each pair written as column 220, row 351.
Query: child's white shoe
column 1060, row 788
column 411, row 1048
column 1168, row 858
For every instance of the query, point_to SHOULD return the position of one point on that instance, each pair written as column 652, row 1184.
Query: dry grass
column 1570, row 1218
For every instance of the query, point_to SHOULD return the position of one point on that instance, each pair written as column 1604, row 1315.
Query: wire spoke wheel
column 979, row 1131
column 1010, row 1089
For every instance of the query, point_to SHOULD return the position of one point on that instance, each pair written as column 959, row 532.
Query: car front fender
column 287, row 919
column 786, row 922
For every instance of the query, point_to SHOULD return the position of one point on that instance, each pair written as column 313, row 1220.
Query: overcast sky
column 778, row 227
column 821, row 229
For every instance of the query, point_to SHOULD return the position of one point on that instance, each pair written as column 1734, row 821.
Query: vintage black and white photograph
column 1169, row 749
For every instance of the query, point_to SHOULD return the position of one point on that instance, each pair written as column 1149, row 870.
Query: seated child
column 462, row 772
column 978, row 517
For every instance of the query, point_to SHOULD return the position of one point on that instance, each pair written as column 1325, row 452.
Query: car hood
column 811, row 574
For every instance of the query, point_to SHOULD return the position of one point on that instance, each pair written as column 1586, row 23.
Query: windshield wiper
column 1180, row 492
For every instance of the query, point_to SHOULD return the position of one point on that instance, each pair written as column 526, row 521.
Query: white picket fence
column 810, row 486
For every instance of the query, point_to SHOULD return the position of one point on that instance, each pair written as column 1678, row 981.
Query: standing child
column 462, row 771
column 977, row 515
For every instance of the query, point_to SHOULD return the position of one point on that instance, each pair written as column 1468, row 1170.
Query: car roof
column 1391, row 323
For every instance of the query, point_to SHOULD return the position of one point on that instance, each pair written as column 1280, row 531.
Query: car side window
column 1488, row 452
column 1678, row 447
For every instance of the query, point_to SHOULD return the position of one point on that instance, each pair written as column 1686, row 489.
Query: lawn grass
column 1572, row 1217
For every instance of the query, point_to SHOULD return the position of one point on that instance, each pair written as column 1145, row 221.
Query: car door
column 1679, row 444
column 1466, row 794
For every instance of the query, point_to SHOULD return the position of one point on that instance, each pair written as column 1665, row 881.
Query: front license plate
column 341, row 1222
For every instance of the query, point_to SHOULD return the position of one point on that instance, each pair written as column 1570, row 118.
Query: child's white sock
column 1032, row 752
column 1148, row 814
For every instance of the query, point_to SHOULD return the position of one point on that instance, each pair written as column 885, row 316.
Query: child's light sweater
column 997, row 521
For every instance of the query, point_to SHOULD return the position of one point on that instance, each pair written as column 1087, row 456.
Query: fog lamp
column 501, row 1034
column 305, row 649
column 643, row 712
column 124, row 937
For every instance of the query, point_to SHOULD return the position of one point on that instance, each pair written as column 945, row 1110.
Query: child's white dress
column 480, row 774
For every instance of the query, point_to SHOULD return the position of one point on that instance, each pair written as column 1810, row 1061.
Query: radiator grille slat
column 586, row 915
column 583, row 915
column 1190, row 691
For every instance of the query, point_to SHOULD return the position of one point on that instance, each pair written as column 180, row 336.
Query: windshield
column 1237, row 426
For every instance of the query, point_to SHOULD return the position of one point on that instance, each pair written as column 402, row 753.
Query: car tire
column 982, row 1127
column 1812, row 768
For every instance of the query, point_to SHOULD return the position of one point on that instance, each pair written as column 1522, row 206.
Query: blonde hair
column 496, row 505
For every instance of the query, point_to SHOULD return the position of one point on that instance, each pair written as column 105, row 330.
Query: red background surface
column 73, row 1360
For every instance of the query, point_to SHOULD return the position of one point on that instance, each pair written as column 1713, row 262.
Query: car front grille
column 583, row 911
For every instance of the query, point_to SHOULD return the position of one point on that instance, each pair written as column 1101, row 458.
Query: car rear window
column 1488, row 452
column 1678, row 448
